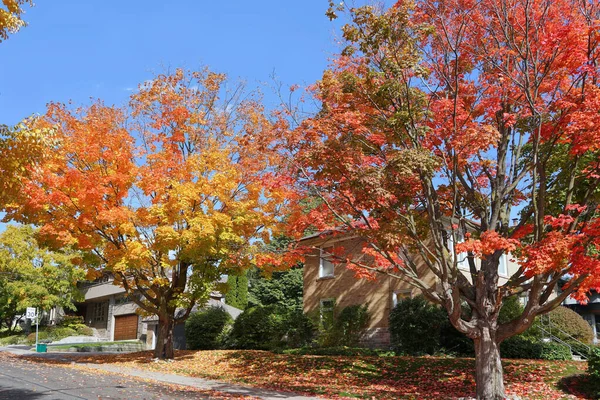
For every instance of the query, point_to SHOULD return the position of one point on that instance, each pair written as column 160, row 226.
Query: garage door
column 126, row 327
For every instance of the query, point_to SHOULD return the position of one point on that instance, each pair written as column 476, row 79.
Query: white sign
column 30, row 313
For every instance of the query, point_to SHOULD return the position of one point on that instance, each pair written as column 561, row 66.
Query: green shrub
column 351, row 324
column 346, row 327
column 84, row 330
column 555, row 351
column 257, row 328
column 57, row 333
column 520, row 347
column 455, row 343
column 13, row 339
column 566, row 324
column 71, row 320
column 42, row 335
column 416, row 326
column 76, row 324
column 298, row 329
column 206, row 329
column 594, row 363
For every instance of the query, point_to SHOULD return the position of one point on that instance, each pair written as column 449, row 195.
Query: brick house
column 326, row 284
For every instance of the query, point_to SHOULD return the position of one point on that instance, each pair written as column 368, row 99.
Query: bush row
column 419, row 327
column 270, row 327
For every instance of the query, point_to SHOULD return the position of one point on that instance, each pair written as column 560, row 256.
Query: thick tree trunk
column 164, row 340
column 489, row 376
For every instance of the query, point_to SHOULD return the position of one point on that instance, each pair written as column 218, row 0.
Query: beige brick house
column 326, row 284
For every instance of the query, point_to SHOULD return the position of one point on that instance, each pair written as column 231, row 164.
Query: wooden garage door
column 126, row 327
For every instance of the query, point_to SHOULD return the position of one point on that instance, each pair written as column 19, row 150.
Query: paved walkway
column 199, row 383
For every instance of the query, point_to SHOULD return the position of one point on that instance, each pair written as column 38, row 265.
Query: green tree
column 33, row 276
column 237, row 290
column 283, row 289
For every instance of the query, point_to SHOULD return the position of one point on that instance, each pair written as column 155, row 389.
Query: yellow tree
column 168, row 194
column 10, row 17
column 19, row 147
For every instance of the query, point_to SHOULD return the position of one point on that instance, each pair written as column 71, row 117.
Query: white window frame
column 326, row 309
column 322, row 265
column 395, row 293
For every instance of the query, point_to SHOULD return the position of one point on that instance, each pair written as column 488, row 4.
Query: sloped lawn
column 363, row 377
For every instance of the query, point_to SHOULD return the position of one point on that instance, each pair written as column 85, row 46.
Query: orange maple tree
column 458, row 120
column 166, row 195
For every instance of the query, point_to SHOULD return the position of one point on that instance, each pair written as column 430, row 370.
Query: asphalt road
column 25, row 380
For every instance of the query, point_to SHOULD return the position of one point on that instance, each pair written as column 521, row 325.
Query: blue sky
column 75, row 50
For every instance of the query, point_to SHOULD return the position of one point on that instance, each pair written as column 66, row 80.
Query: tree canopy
column 167, row 194
column 449, row 120
column 32, row 275
column 11, row 12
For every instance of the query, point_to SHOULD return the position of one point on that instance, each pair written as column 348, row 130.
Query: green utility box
column 42, row 348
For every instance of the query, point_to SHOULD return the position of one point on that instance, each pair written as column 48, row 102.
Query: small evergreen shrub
column 568, row 324
column 351, row 324
column 298, row 329
column 259, row 328
column 594, row 363
column 207, row 328
column 416, row 326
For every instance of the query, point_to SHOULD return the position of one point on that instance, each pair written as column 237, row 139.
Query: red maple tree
column 459, row 120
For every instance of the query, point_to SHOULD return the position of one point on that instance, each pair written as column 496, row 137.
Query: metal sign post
column 32, row 313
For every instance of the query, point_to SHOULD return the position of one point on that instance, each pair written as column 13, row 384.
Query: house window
column 399, row 295
column 503, row 265
column 462, row 258
column 326, row 310
column 325, row 264
column 100, row 311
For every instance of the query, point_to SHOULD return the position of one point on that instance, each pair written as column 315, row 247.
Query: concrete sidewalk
column 199, row 383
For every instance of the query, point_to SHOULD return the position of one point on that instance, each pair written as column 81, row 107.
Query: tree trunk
column 164, row 340
column 489, row 376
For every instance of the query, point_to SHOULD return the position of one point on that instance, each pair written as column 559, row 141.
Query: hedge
column 257, row 328
column 207, row 329
column 519, row 347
